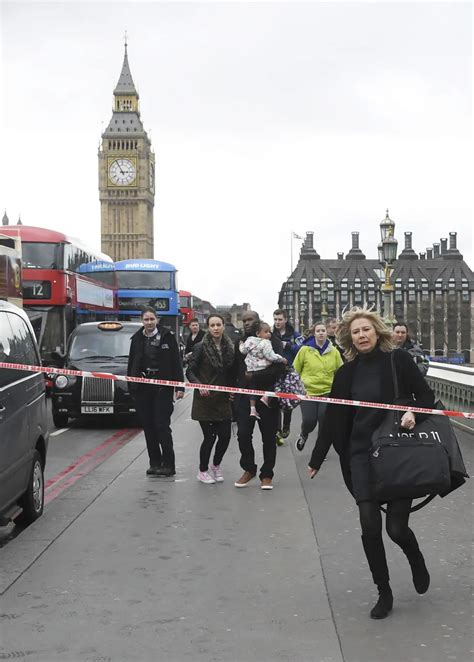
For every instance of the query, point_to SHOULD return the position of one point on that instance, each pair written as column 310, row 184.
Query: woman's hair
column 343, row 331
column 148, row 309
column 209, row 317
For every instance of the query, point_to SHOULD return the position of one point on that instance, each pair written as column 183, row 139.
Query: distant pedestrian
column 291, row 341
column 367, row 376
column 211, row 362
column 154, row 354
column 401, row 339
column 196, row 334
column 317, row 362
column 269, row 416
column 259, row 356
column 331, row 326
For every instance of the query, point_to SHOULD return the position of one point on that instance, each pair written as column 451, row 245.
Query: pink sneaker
column 216, row 472
column 205, row 477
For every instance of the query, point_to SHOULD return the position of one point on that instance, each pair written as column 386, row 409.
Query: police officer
column 154, row 354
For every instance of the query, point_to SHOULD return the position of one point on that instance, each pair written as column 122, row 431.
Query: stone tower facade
column 126, row 177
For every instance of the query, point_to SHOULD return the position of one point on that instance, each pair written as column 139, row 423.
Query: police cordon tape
column 231, row 389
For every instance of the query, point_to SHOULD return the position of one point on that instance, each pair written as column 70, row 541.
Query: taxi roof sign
column 110, row 326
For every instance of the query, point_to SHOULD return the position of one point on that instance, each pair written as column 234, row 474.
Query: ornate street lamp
column 302, row 316
column 387, row 253
column 324, row 299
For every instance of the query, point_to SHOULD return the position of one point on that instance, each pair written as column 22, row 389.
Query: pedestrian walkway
column 128, row 568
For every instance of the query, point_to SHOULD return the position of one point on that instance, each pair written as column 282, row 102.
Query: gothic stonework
column 126, row 177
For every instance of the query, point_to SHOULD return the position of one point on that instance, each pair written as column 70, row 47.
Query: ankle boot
column 384, row 604
column 419, row 571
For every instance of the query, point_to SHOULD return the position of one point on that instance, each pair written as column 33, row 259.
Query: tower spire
column 125, row 85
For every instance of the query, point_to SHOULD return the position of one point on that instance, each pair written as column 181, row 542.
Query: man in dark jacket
column 331, row 326
column 196, row 335
column 269, row 416
column 154, row 354
column 291, row 342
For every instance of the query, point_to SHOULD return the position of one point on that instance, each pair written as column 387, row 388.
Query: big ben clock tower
column 126, row 177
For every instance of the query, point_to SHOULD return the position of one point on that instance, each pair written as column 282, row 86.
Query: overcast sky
column 265, row 118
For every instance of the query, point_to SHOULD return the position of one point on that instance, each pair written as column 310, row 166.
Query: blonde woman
column 367, row 375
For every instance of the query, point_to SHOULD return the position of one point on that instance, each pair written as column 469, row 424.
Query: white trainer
column 216, row 472
column 205, row 477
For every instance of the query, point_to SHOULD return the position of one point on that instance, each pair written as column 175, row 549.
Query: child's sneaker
column 216, row 473
column 205, row 477
column 254, row 413
column 280, row 441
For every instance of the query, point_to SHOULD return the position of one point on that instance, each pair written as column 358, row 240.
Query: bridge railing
column 453, row 384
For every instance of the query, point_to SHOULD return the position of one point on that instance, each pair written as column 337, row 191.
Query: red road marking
column 84, row 464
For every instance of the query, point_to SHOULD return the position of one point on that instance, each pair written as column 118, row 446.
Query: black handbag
column 409, row 464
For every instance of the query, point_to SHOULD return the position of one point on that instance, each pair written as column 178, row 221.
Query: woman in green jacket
column 317, row 362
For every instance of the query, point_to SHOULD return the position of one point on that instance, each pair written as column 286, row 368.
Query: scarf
column 219, row 360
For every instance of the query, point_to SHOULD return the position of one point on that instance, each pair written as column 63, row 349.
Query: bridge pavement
column 122, row 567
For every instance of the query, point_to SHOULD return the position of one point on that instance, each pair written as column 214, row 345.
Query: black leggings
column 398, row 513
column 213, row 430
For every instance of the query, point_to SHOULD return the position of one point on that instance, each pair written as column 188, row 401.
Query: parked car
column 23, row 421
column 94, row 347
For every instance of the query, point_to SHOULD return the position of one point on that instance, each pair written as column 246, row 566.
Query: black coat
column 169, row 360
column 190, row 343
column 215, row 406
column 338, row 420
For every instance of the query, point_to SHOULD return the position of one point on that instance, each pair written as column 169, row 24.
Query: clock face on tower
column 122, row 172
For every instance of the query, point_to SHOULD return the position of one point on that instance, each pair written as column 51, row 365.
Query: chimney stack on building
column 355, row 251
column 452, row 241
column 422, row 256
column 436, row 252
column 444, row 246
column 408, row 252
column 429, row 253
column 307, row 249
column 340, row 256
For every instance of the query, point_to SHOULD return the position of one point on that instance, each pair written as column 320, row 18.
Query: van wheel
column 60, row 420
column 32, row 501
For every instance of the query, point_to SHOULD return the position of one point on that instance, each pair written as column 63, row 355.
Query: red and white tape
column 230, row 389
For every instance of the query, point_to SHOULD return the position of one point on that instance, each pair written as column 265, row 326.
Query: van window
column 16, row 346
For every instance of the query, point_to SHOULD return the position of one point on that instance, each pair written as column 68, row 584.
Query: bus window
column 144, row 280
column 41, row 255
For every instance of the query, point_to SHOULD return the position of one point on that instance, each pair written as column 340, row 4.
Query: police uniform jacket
column 162, row 357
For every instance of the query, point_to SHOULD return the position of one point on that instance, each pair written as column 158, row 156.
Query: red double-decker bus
column 10, row 270
column 53, row 292
column 186, row 306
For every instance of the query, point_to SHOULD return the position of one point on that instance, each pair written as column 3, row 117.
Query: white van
column 23, row 421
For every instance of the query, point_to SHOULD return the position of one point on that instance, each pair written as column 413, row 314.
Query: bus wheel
column 60, row 420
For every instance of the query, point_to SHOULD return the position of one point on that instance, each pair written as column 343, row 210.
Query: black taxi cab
column 94, row 347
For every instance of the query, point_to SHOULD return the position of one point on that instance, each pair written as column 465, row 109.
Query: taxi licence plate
column 97, row 409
